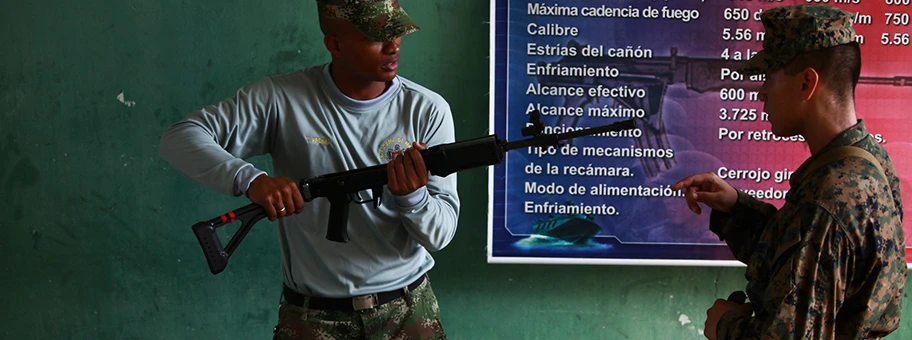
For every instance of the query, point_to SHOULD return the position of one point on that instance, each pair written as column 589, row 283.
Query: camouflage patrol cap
column 791, row 30
column 378, row 20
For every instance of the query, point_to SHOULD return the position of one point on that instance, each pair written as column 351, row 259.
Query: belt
column 351, row 304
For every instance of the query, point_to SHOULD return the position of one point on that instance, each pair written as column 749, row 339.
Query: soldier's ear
column 333, row 45
column 810, row 83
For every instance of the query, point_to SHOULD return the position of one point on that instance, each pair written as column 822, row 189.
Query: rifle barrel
column 618, row 126
column 553, row 139
column 895, row 81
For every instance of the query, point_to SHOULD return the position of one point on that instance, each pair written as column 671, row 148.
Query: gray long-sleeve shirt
column 310, row 128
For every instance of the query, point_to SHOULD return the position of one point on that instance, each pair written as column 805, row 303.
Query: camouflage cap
column 378, row 20
column 791, row 30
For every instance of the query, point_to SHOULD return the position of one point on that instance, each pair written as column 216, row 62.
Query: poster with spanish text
column 670, row 66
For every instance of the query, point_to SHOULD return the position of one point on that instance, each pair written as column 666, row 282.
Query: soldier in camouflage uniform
column 830, row 264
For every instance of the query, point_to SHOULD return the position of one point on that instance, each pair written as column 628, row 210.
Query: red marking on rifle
column 231, row 214
column 224, row 219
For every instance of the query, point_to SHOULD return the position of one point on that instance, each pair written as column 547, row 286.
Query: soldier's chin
column 778, row 132
column 386, row 75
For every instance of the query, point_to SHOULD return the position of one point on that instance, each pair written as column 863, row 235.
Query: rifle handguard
column 443, row 160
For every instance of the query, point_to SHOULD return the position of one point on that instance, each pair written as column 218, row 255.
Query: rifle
column 341, row 188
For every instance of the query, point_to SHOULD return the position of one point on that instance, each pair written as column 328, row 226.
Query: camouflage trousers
column 414, row 316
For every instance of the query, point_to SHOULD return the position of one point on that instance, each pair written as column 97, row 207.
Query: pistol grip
column 337, row 228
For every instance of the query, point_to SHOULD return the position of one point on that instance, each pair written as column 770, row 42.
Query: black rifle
column 341, row 188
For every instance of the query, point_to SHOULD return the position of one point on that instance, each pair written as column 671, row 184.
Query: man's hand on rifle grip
column 407, row 172
column 279, row 196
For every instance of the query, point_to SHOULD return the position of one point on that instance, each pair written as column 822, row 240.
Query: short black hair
column 839, row 68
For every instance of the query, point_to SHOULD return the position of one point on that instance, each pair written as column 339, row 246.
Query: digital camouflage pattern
column 378, row 20
column 791, row 30
column 414, row 316
column 830, row 264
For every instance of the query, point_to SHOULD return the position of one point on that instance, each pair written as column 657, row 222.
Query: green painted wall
column 95, row 236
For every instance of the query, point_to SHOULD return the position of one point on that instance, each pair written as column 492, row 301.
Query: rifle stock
column 341, row 188
column 216, row 255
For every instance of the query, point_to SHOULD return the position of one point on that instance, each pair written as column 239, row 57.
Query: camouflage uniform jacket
column 830, row 264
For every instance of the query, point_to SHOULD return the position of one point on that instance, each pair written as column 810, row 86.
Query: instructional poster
column 670, row 65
